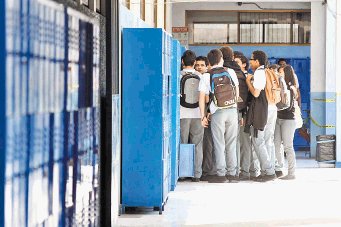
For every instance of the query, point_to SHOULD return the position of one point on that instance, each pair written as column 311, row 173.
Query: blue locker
column 57, row 136
column 145, row 118
column 175, row 124
column 186, row 160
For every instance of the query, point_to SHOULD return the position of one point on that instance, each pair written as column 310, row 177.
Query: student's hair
column 241, row 56
column 274, row 66
column 289, row 75
column 202, row 58
column 227, row 53
column 260, row 56
column 188, row 58
column 281, row 59
column 214, row 56
column 237, row 54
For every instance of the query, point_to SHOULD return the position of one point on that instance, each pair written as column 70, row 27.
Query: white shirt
column 204, row 85
column 188, row 112
column 259, row 79
column 259, row 82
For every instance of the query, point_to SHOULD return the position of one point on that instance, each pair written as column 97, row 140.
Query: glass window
column 301, row 27
column 256, row 27
column 215, row 33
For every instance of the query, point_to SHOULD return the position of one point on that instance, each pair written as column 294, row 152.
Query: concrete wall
column 179, row 9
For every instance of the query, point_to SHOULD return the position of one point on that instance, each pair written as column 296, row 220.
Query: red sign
column 179, row 29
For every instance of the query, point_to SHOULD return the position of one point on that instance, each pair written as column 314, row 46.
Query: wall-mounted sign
column 181, row 34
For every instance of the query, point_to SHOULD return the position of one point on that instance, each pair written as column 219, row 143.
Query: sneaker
column 232, row 179
column 217, row 179
column 279, row 173
column 194, row 179
column 288, row 177
column 266, row 178
column 244, row 177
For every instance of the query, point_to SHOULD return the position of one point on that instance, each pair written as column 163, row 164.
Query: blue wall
column 272, row 51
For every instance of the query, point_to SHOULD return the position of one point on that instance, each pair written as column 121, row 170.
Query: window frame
column 262, row 43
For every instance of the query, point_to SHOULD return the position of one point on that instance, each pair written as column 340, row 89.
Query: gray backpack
column 189, row 89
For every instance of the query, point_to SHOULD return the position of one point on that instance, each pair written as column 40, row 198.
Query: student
column 191, row 130
column 286, row 126
column 224, row 121
column 208, row 163
column 261, row 116
column 249, row 164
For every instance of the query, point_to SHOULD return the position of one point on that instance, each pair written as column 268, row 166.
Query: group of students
column 239, row 138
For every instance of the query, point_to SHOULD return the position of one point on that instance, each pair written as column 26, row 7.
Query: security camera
column 240, row 3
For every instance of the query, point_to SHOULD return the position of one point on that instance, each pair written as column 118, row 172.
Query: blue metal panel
column 3, row 129
column 186, row 160
column 175, row 114
column 57, row 136
column 145, row 113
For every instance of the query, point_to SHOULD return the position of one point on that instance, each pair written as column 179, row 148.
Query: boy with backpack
column 191, row 130
column 221, row 85
column 262, row 115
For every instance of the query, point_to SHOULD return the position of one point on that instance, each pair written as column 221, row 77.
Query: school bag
column 285, row 94
column 189, row 88
column 272, row 87
column 243, row 88
column 223, row 90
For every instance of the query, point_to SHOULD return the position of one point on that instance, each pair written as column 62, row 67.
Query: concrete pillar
column 160, row 22
column 338, row 84
column 330, row 66
column 318, row 71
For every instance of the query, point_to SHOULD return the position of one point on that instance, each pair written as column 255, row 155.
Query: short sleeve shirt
column 259, row 79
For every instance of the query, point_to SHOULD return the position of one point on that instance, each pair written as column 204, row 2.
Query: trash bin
column 325, row 149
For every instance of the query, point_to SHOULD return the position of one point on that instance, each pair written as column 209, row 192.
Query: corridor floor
column 313, row 199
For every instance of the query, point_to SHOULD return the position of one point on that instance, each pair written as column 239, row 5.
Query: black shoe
column 207, row 177
column 217, row 179
column 244, row 177
column 194, row 179
column 253, row 178
column 279, row 173
column 232, row 179
column 266, row 178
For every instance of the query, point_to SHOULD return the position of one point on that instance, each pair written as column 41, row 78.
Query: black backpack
column 243, row 91
column 243, row 88
column 189, row 88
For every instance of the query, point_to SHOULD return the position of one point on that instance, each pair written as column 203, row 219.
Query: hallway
column 313, row 199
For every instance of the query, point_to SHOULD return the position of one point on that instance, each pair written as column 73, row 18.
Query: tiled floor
column 313, row 199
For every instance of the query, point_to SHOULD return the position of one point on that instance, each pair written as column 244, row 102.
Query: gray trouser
column 224, row 126
column 208, row 163
column 264, row 144
column 191, row 131
column 284, row 132
column 269, row 135
column 249, row 164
